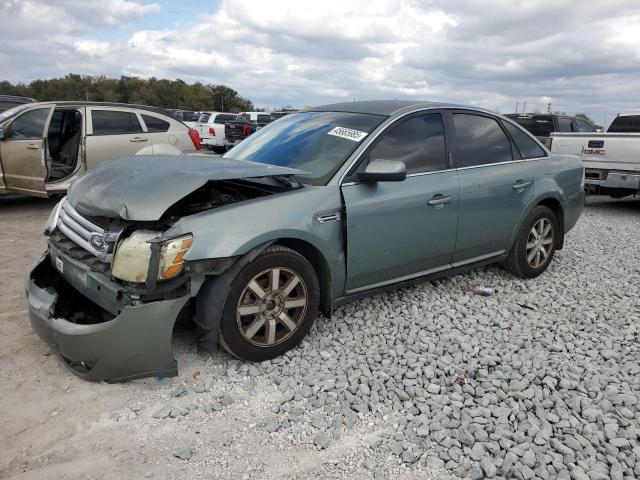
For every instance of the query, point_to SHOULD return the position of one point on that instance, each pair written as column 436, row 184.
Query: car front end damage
column 104, row 327
column 106, row 293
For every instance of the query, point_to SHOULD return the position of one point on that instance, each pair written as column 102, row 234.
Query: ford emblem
column 97, row 241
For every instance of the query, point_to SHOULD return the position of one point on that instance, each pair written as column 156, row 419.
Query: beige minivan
column 45, row 146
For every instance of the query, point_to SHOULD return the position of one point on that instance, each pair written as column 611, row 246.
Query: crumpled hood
column 143, row 187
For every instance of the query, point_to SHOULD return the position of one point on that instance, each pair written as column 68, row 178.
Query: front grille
column 61, row 242
column 86, row 234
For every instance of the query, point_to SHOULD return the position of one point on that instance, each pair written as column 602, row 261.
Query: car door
column 22, row 152
column 496, row 186
column 400, row 230
column 113, row 133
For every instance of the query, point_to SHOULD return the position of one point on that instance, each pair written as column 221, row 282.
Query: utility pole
column 517, row 105
column 524, row 107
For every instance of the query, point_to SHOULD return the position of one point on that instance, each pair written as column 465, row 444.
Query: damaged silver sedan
column 314, row 210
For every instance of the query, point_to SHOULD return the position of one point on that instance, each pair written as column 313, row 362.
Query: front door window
column 29, row 125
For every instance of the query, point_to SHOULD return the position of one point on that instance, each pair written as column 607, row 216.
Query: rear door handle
column 439, row 201
column 33, row 146
column 138, row 139
column 519, row 185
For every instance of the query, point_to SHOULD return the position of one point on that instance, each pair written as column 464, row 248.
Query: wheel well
column 556, row 207
column 319, row 263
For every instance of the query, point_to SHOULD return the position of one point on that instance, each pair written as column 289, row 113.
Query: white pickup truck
column 611, row 160
column 210, row 127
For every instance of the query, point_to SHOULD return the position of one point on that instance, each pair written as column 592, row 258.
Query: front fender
column 236, row 229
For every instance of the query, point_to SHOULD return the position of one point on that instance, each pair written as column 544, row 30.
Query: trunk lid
column 143, row 188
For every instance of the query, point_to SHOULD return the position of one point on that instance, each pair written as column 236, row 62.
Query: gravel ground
column 539, row 380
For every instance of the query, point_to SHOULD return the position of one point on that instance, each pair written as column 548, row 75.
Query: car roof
column 73, row 103
column 385, row 107
column 629, row 114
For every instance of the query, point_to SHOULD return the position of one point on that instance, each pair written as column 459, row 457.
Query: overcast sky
column 580, row 56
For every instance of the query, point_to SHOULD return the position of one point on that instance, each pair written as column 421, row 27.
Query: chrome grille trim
column 80, row 230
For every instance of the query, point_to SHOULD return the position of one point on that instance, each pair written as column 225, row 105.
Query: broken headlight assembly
column 133, row 256
column 52, row 221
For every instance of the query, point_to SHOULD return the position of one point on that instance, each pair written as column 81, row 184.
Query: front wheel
column 272, row 304
column 535, row 243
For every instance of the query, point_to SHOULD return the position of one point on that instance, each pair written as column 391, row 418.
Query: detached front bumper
column 95, row 344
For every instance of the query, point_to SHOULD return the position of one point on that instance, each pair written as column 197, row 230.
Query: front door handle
column 439, row 201
column 520, row 184
column 33, row 146
column 138, row 139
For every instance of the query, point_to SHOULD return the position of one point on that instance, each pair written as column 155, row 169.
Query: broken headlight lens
column 131, row 260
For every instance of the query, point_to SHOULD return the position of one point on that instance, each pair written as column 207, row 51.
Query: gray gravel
column 539, row 380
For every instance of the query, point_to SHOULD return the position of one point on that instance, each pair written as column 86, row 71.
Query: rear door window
column 114, row 122
column 29, row 124
column 526, row 145
column 480, row 141
column 155, row 124
column 417, row 142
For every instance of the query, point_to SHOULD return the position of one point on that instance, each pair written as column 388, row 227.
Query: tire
column 254, row 328
column 520, row 261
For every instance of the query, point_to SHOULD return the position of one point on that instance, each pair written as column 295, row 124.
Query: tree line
column 157, row 92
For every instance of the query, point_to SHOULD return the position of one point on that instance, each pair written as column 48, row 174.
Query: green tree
column 151, row 91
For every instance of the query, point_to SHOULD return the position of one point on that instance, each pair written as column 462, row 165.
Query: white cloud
column 489, row 53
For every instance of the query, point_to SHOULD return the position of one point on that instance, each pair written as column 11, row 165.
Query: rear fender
column 160, row 149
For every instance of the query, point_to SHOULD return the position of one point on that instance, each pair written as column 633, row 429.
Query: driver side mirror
column 383, row 171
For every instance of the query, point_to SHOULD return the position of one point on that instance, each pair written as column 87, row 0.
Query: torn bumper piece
column 135, row 343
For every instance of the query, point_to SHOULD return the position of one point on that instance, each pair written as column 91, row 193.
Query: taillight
column 212, row 131
column 195, row 138
column 246, row 130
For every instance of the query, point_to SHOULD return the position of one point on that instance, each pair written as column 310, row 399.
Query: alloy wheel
column 272, row 306
column 539, row 243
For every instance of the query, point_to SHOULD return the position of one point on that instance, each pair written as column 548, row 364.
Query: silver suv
column 45, row 146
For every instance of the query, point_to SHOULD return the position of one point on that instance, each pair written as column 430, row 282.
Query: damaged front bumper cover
column 135, row 342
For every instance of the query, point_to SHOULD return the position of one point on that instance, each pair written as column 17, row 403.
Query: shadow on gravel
column 23, row 200
column 607, row 204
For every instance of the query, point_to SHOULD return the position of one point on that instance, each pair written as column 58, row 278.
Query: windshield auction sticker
column 348, row 133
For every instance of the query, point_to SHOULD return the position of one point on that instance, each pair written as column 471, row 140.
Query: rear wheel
column 272, row 304
column 535, row 243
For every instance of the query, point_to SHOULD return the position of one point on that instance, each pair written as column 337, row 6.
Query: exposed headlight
column 131, row 260
column 53, row 218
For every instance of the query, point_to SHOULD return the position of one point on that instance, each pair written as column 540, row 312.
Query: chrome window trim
column 385, row 125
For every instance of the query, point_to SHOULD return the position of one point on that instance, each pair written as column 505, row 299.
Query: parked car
column 211, row 128
column 625, row 123
column 543, row 125
column 244, row 125
column 10, row 101
column 314, row 210
column 45, row 146
column 611, row 160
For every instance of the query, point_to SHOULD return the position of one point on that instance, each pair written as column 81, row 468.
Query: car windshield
column 12, row 112
column 316, row 142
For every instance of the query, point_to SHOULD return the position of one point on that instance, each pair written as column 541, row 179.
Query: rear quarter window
column 526, row 145
column 113, row 122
